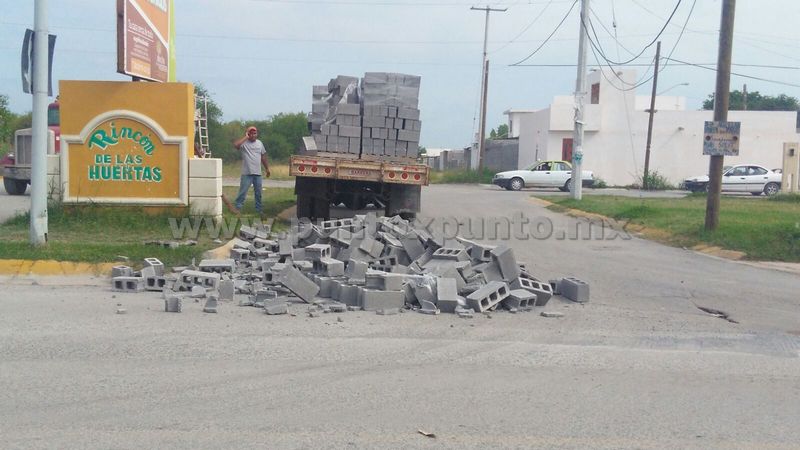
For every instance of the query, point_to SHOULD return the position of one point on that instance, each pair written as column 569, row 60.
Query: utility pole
column 38, row 214
column 580, row 95
column 484, row 83
column 744, row 97
column 652, row 111
column 721, row 103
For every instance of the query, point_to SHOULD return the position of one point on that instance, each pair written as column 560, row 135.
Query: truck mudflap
column 359, row 170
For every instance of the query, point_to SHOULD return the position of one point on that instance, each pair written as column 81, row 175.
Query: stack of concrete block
column 391, row 116
column 382, row 120
column 205, row 187
column 370, row 263
column 336, row 116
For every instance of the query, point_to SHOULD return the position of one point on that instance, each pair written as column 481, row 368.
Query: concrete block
column 335, row 224
column 211, row 304
column 574, row 289
column 447, row 298
column 205, row 206
column 408, row 113
column 356, row 271
column 121, row 271
column 412, row 246
column 347, row 131
column 552, row 314
column 157, row 265
column 348, row 109
column 304, row 266
column 251, row 233
column 275, row 308
column 374, row 121
column 555, row 285
column 239, row 254
column 481, row 252
column 504, row 257
column 392, row 111
column 207, row 280
column 519, row 298
column 488, row 296
column 543, row 291
column 325, row 287
column 299, row 254
column 452, row 254
column 490, row 271
column 315, row 252
column 205, row 168
column 217, row 265
column 291, row 278
column 408, row 136
column 205, row 187
column 341, row 237
column 127, row 284
column 349, row 294
column 374, row 300
column 173, row 304
column 155, row 283
column 226, row 290
column 329, row 267
column 285, row 247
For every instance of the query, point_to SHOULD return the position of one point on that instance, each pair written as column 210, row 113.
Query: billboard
column 143, row 38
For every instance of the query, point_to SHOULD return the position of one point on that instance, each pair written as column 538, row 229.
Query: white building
column 616, row 133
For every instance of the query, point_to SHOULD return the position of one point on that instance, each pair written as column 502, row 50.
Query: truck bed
column 340, row 168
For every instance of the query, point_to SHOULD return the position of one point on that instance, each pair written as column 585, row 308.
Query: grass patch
column 764, row 230
column 91, row 233
column 278, row 171
column 462, row 176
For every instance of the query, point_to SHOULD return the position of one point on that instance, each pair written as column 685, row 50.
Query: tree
column 500, row 133
column 757, row 102
column 9, row 123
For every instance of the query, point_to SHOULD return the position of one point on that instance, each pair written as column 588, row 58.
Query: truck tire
column 15, row 187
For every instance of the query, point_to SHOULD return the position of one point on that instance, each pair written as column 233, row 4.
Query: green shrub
column 655, row 182
column 462, row 176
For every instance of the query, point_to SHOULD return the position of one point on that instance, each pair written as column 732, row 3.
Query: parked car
column 741, row 178
column 556, row 174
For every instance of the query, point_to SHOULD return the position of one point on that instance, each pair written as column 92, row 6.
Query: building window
column 596, row 93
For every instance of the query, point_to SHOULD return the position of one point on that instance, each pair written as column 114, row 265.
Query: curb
column 23, row 267
column 700, row 249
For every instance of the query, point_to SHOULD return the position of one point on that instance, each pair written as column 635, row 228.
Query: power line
column 388, row 3
column 535, row 19
column 737, row 74
column 653, row 41
column 548, row 37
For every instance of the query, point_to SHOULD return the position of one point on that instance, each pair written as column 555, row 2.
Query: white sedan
column 556, row 174
column 742, row 178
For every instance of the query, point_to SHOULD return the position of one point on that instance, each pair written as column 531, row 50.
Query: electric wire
column 524, row 30
column 548, row 37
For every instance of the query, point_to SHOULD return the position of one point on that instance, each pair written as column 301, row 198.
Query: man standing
column 254, row 155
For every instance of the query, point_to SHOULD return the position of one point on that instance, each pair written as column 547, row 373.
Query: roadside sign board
column 143, row 34
column 721, row 138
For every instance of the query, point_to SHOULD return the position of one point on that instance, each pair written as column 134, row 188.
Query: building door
column 566, row 149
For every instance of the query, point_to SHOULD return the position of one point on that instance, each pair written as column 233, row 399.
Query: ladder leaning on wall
column 201, row 126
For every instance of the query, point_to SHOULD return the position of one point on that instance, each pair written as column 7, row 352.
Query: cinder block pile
column 391, row 115
column 365, row 263
column 379, row 118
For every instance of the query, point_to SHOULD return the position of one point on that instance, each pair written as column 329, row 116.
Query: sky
column 261, row 57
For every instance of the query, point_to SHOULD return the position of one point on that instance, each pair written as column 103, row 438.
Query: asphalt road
column 640, row 366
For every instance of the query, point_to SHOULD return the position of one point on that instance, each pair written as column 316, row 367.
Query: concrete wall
column 616, row 132
column 501, row 154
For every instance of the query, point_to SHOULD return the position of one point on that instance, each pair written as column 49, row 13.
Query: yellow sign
column 124, row 157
